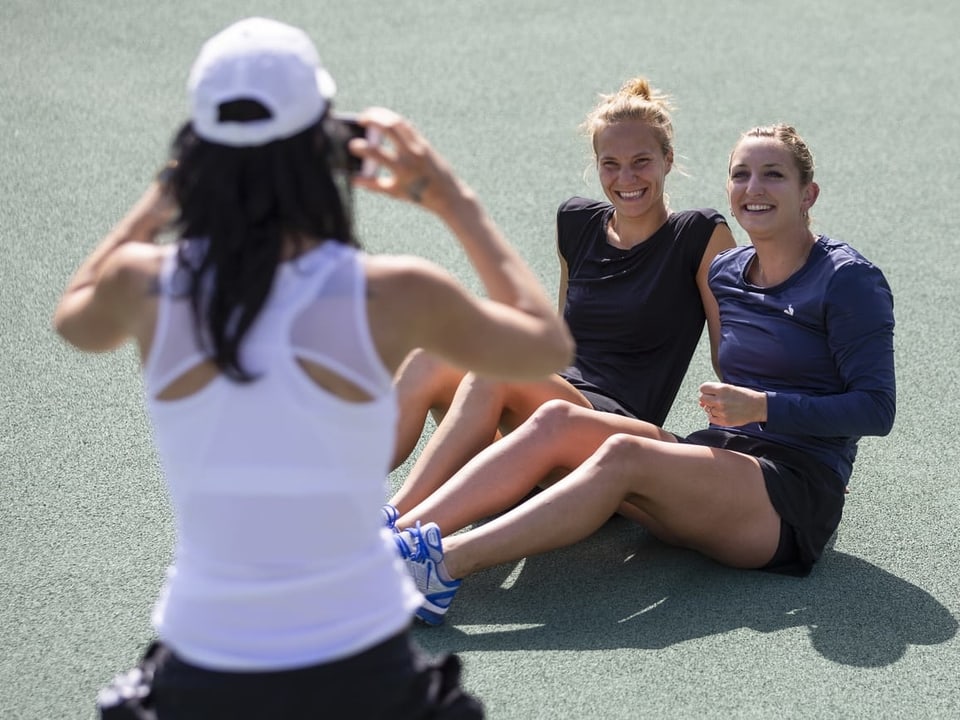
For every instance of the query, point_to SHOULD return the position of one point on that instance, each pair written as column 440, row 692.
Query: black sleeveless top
column 636, row 314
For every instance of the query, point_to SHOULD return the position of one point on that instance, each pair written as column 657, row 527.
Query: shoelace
column 419, row 553
column 390, row 516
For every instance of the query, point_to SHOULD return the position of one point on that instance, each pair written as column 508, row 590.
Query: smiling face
column 767, row 191
column 632, row 167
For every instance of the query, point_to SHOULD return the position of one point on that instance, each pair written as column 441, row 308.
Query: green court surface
column 619, row 626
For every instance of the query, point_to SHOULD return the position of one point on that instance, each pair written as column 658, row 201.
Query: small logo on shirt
column 789, row 310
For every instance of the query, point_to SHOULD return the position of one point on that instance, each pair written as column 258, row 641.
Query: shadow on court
column 623, row 589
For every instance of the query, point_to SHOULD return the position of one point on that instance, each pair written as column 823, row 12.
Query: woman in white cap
column 268, row 342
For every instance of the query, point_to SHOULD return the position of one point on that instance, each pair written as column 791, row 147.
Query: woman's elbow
column 569, row 348
column 64, row 325
column 549, row 352
column 888, row 420
column 86, row 336
column 886, row 413
column 562, row 347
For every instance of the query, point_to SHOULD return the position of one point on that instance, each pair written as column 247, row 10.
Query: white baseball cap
column 264, row 60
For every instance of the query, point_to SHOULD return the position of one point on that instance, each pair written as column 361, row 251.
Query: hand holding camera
column 413, row 170
column 348, row 124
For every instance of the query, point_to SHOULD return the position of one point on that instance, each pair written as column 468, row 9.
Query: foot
column 422, row 549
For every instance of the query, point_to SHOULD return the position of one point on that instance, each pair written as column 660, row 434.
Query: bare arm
column 564, row 280
column 414, row 303
column 721, row 239
column 99, row 307
column 517, row 332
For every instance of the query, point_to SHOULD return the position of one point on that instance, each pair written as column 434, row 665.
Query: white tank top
column 281, row 558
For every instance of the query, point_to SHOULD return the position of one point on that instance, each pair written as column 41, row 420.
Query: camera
column 348, row 127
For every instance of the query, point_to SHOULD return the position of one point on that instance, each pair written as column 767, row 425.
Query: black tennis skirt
column 806, row 494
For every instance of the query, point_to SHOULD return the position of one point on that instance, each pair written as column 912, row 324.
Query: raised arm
column 516, row 333
column 99, row 305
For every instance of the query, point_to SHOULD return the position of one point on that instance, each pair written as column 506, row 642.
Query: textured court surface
column 619, row 626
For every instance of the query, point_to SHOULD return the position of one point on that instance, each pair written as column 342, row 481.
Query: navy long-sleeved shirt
column 820, row 345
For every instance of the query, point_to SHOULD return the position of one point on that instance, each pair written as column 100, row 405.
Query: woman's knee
column 624, row 454
column 426, row 380
column 483, row 388
column 415, row 373
column 563, row 425
column 554, row 415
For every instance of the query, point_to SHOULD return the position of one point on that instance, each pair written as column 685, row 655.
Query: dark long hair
column 240, row 204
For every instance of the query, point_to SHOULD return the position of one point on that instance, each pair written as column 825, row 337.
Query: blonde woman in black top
column 633, row 291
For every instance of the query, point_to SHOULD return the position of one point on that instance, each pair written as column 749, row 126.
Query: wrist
column 165, row 173
column 453, row 201
column 151, row 215
column 762, row 407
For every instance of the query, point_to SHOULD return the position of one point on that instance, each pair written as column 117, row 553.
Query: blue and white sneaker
column 390, row 515
column 422, row 549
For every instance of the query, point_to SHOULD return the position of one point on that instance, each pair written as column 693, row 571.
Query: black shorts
column 598, row 400
column 392, row 680
column 606, row 404
column 806, row 494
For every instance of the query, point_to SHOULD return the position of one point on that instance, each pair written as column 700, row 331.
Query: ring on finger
column 416, row 188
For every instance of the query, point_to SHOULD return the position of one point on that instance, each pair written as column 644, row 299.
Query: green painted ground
column 619, row 626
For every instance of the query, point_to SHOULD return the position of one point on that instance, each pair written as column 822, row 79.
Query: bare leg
column 425, row 384
column 558, row 435
column 480, row 407
column 710, row 500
